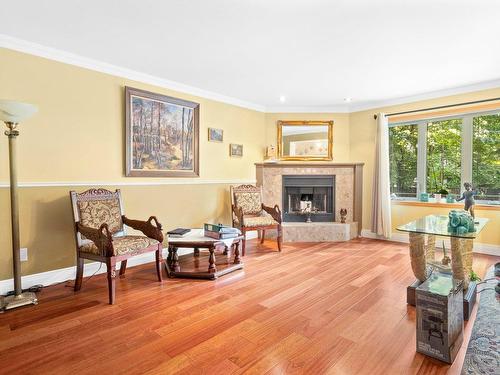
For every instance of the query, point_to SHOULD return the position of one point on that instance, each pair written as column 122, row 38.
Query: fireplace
column 308, row 198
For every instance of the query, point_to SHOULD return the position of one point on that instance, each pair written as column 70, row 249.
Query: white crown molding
column 50, row 53
column 309, row 109
column 425, row 96
column 480, row 248
column 130, row 183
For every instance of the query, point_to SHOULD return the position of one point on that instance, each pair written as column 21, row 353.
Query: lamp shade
column 11, row 111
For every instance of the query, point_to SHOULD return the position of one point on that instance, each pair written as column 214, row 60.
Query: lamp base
column 12, row 302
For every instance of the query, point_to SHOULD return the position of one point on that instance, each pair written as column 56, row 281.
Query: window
column 486, row 156
column 403, row 160
column 435, row 154
column 444, row 143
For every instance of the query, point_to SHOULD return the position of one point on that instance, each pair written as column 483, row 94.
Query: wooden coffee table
column 196, row 267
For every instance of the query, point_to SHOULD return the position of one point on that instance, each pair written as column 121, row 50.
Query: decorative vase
column 424, row 197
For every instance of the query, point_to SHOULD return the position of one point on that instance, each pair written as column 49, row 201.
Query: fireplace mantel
column 348, row 185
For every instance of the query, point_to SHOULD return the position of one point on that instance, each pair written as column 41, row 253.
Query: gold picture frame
column 215, row 135
column 329, row 140
column 235, row 150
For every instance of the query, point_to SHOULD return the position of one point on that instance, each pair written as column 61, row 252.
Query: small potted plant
column 439, row 194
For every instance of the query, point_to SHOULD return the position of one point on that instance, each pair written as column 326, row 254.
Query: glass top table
column 438, row 225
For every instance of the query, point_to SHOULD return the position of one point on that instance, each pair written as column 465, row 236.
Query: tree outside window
column 403, row 160
column 486, row 157
column 444, row 143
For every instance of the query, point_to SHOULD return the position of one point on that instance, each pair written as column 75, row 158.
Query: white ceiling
column 314, row 52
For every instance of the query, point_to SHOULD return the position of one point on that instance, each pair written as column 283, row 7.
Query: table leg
column 461, row 259
column 169, row 257
column 237, row 259
column 196, row 252
column 211, row 260
column 175, row 260
column 418, row 256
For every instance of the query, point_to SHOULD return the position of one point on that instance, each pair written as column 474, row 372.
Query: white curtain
column 381, row 201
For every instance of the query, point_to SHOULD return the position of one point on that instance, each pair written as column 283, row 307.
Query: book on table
column 178, row 232
column 220, row 231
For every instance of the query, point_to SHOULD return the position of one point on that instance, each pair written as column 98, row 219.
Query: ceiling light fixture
column 282, row 99
column 347, row 100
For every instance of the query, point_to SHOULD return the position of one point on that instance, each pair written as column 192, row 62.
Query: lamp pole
column 12, row 133
column 12, row 113
column 19, row 298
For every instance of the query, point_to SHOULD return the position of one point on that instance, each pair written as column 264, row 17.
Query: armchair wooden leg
column 110, row 265
column 79, row 273
column 243, row 244
column 262, row 235
column 123, row 267
column 280, row 237
column 159, row 262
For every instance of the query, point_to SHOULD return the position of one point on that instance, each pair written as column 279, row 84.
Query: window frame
column 466, row 149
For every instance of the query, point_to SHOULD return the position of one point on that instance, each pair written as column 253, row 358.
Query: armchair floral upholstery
column 93, row 212
column 100, row 234
column 249, row 213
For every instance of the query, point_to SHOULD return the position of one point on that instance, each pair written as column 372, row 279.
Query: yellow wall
column 340, row 130
column 78, row 137
column 362, row 148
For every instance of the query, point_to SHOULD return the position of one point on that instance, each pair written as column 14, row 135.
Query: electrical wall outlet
column 24, row 254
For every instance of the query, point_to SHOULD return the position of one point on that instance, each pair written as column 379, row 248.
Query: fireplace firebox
column 308, row 198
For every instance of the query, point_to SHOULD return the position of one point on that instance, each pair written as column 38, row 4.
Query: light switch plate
column 24, row 254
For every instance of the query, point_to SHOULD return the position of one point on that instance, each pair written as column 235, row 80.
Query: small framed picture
column 215, row 135
column 235, row 150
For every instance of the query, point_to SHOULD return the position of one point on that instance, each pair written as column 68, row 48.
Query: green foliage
column 403, row 159
column 474, row 276
column 444, row 143
column 486, row 156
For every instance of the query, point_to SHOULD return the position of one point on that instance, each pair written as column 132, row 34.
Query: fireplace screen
column 308, row 198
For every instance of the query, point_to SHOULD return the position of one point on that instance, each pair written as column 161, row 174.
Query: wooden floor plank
column 314, row 308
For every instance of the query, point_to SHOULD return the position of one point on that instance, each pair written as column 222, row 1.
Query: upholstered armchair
column 249, row 213
column 100, row 234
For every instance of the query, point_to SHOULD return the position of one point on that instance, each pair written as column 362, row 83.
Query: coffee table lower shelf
column 220, row 260
column 199, row 269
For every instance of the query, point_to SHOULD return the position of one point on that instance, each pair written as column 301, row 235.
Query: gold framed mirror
column 305, row 140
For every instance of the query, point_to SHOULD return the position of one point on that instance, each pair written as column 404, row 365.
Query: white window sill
column 432, row 203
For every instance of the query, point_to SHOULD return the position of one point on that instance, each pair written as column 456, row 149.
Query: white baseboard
column 69, row 273
column 480, row 248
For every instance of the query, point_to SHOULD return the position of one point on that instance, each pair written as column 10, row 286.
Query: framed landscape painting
column 162, row 135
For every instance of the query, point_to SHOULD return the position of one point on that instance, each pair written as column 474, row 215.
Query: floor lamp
column 12, row 113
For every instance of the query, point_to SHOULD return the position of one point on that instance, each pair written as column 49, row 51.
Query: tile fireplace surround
column 348, row 194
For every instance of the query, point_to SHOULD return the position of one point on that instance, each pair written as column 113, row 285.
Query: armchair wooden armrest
column 238, row 212
column 275, row 212
column 146, row 227
column 101, row 237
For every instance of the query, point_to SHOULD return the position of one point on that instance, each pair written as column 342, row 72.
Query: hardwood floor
column 312, row 309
